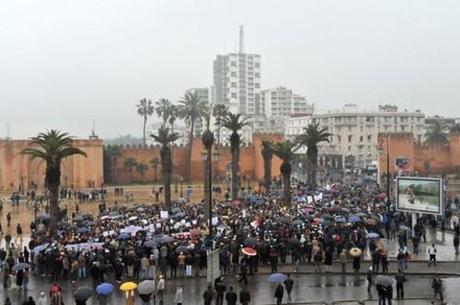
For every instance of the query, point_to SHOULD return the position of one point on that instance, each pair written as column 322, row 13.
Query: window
column 338, row 139
column 350, row 137
column 233, row 74
column 360, row 138
column 233, row 85
column 369, row 137
column 349, row 148
column 257, row 85
column 233, row 95
column 233, row 63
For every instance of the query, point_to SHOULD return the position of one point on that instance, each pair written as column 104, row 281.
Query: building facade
column 237, row 82
column 203, row 94
column 355, row 131
column 283, row 102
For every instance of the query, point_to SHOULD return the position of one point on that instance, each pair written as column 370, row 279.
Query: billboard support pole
column 388, row 173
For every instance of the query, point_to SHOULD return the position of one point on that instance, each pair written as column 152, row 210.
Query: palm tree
column 130, row 164
column 234, row 123
column 52, row 147
column 286, row 152
column 312, row 136
column 155, row 162
column 172, row 116
column 454, row 129
column 163, row 109
column 219, row 111
column 141, row 168
column 267, row 155
column 165, row 138
column 144, row 109
column 112, row 153
column 191, row 108
column 436, row 134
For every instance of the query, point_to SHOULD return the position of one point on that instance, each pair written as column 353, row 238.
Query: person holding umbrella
column 279, row 293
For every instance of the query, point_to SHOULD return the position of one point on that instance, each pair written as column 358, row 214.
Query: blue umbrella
column 373, row 235
column 44, row 217
column 39, row 248
column 277, row 278
column 82, row 230
column 340, row 219
column 179, row 215
column 354, row 218
column 104, row 289
column 124, row 236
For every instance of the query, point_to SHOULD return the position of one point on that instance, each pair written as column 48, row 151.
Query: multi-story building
column 203, row 94
column 282, row 102
column 355, row 131
column 237, row 82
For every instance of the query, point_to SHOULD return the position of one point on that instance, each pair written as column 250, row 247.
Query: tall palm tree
column 312, row 136
column 112, row 153
column 141, row 168
column 165, row 138
column 436, row 134
column 155, row 162
column 172, row 116
column 144, row 109
column 234, row 123
column 286, row 152
column 454, row 129
column 219, row 111
column 267, row 155
column 191, row 108
column 52, row 147
column 130, row 164
column 163, row 109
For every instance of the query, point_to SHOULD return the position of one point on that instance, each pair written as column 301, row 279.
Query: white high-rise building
column 282, row 102
column 237, row 81
column 203, row 94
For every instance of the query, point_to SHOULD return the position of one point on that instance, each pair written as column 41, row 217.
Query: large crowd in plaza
column 337, row 223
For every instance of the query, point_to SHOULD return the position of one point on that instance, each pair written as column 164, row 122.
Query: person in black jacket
column 289, row 284
column 279, row 293
column 400, row 279
column 220, row 290
column 231, row 297
column 208, row 295
column 245, row 298
column 389, row 294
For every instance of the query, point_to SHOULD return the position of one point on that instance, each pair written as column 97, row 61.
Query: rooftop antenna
column 241, row 46
column 93, row 135
column 8, row 131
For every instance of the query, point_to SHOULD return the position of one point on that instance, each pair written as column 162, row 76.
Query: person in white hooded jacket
column 42, row 300
column 179, row 297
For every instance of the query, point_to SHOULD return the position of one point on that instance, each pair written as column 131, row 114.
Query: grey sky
column 64, row 63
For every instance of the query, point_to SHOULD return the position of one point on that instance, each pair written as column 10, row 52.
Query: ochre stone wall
column 251, row 161
column 17, row 170
column 440, row 160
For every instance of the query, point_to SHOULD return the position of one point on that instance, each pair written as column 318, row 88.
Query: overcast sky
column 64, row 63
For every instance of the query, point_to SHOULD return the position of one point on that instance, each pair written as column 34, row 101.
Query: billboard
column 419, row 195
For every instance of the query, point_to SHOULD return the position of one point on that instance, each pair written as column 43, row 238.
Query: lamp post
column 388, row 172
column 248, row 179
column 208, row 141
column 181, row 186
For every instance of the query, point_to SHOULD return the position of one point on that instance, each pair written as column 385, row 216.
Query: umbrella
column 132, row 218
column 297, row 222
column 20, row 266
column 104, row 289
column 383, row 280
column 63, row 224
column 340, row 219
column 78, row 218
column 165, row 239
column 146, row 287
column 127, row 286
column 373, row 235
column 181, row 249
column 277, row 278
column 179, row 215
column 113, row 213
column 249, row 251
column 361, row 214
column 83, row 293
column 141, row 209
column 123, row 236
column 236, row 202
column 355, row 252
column 250, row 241
column 44, row 216
column 176, row 210
column 150, row 244
column 354, row 218
column 82, row 230
column 39, row 248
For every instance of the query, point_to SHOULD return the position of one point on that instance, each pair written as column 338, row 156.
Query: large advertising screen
column 419, row 195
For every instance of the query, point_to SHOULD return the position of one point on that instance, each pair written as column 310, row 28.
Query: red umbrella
column 249, row 251
column 236, row 202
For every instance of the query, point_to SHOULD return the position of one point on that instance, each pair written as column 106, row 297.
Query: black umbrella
column 83, row 293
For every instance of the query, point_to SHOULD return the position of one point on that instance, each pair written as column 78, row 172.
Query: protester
column 289, row 284
column 279, row 293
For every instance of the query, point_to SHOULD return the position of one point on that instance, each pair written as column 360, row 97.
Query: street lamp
column 181, row 186
column 206, row 155
column 248, row 179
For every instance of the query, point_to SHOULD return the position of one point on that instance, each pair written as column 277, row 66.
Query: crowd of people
column 145, row 241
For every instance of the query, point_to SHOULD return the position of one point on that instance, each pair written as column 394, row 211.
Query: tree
column 286, row 152
column 163, row 109
column 130, row 164
column 234, row 123
column 267, row 155
column 52, row 147
column 155, row 162
column 144, row 109
column 436, row 134
column 141, row 168
column 219, row 111
column 165, row 138
column 172, row 117
column 312, row 136
column 454, row 129
column 113, row 152
column 191, row 108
